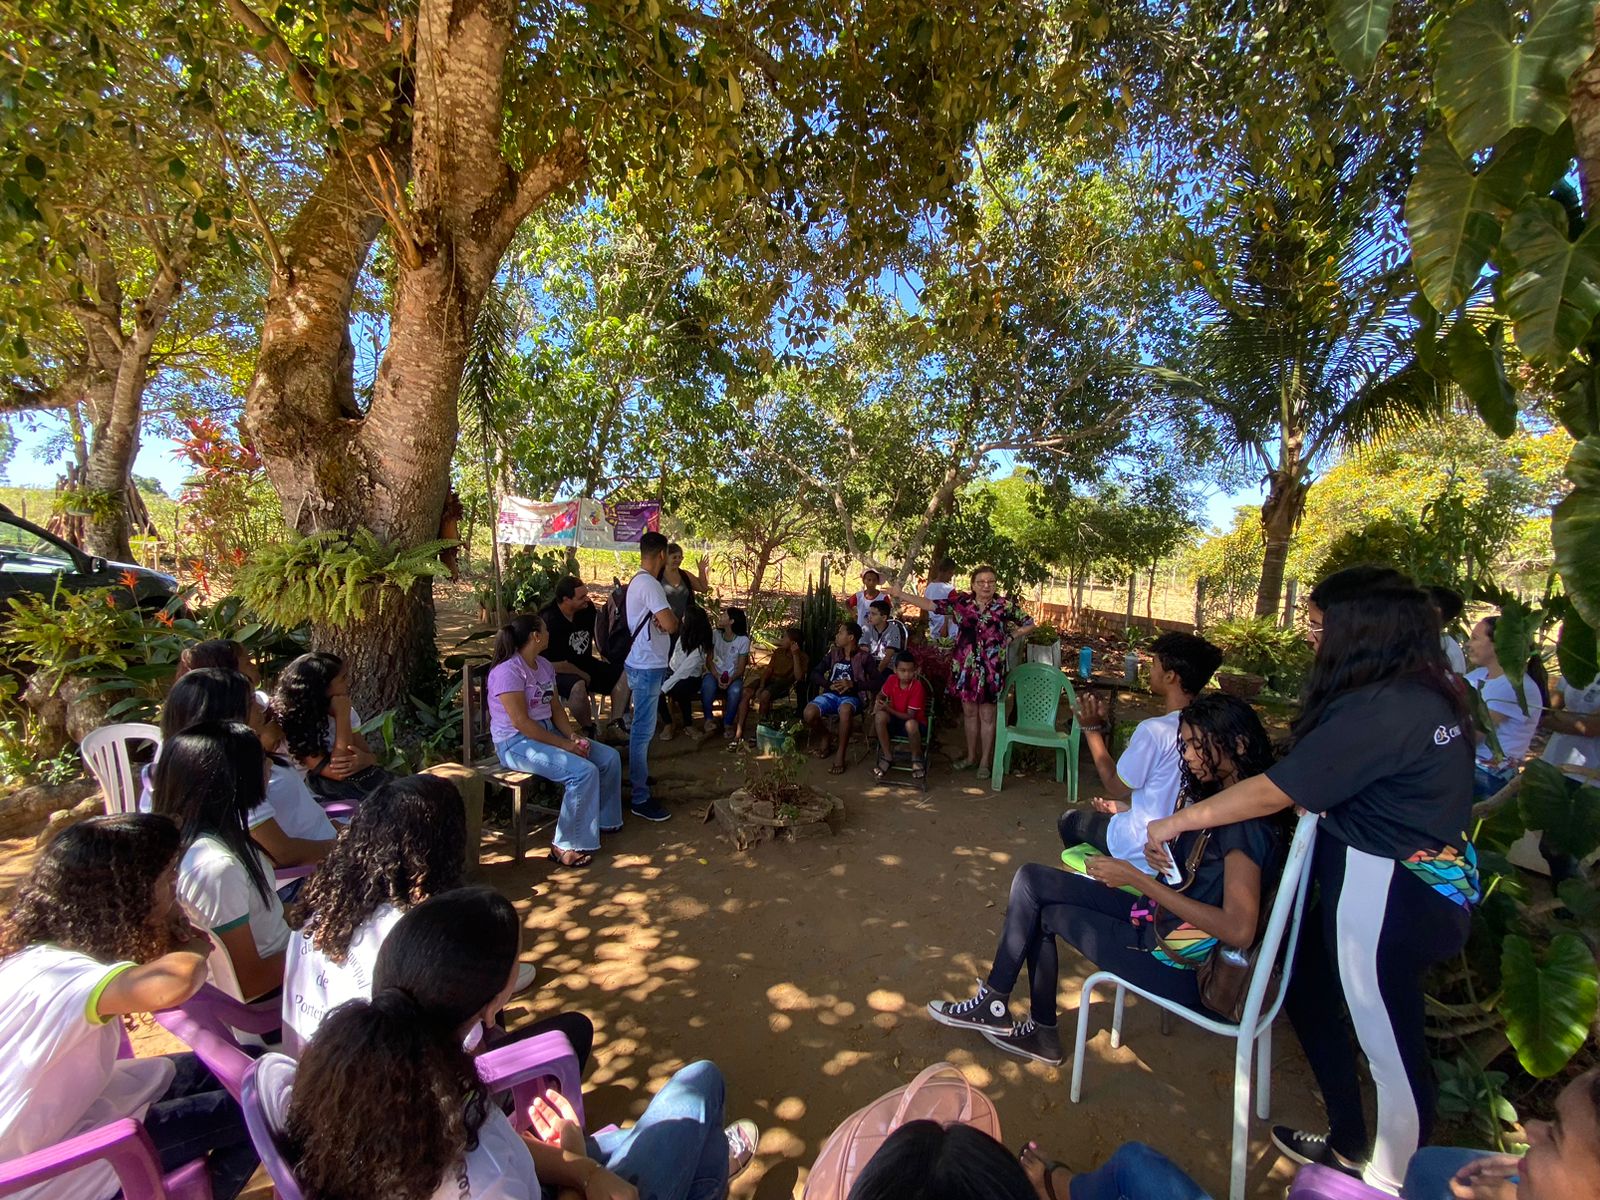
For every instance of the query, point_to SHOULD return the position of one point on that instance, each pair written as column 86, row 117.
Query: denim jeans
column 1487, row 780
column 676, row 1150
column 1429, row 1172
column 194, row 1119
column 646, row 684
column 593, row 798
column 1136, row 1172
column 708, row 693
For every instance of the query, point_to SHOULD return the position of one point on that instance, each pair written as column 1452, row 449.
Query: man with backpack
column 643, row 643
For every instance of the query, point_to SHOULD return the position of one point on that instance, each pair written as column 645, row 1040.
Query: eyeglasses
column 1316, row 629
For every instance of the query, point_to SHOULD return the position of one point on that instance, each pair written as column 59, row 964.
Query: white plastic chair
column 105, row 753
column 1253, row 1033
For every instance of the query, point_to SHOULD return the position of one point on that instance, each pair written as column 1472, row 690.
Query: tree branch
column 277, row 52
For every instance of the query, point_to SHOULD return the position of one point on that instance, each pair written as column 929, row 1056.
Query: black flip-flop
column 1051, row 1166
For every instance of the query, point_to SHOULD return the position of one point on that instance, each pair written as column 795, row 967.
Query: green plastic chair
column 1038, row 688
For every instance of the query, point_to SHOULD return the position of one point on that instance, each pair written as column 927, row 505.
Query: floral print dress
column 984, row 630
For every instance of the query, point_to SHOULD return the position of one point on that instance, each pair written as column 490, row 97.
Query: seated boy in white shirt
column 1142, row 785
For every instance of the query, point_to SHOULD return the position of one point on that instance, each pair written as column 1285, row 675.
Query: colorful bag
column 941, row 1093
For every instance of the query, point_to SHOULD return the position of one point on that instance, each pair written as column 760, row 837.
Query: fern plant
column 333, row 577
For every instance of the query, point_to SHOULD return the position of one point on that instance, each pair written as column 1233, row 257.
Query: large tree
column 445, row 126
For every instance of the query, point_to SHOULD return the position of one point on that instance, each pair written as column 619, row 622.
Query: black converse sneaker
column 1306, row 1148
column 985, row 1011
column 1041, row 1043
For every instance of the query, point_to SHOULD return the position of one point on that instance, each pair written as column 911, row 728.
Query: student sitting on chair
column 849, row 678
column 788, row 665
column 902, row 711
column 1142, row 785
column 1156, row 946
column 725, row 667
column 883, row 636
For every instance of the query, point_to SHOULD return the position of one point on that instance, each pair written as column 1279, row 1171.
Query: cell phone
column 1171, row 872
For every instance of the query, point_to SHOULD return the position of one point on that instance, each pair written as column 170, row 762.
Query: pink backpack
column 940, row 1093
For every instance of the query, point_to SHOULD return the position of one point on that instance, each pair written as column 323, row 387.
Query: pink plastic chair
column 1313, row 1182
column 127, row 1147
column 207, row 1022
column 520, row 1066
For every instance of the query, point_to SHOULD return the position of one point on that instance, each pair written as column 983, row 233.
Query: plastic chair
column 1038, row 688
column 518, row 1067
column 106, row 753
column 210, row 1022
column 1313, row 1182
column 1253, row 1033
column 131, row 1154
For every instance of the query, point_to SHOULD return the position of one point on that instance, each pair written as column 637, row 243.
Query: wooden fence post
column 1290, row 598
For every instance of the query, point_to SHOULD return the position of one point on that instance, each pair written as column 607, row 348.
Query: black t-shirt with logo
column 1389, row 768
column 570, row 641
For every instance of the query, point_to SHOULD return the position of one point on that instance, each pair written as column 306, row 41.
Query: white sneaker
column 742, row 1138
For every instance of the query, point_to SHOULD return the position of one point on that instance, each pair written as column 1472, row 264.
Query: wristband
column 1093, row 728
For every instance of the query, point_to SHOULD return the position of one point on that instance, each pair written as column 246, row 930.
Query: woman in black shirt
column 1155, row 946
column 1382, row 750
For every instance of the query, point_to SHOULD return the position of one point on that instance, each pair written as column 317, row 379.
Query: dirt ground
column 803, row 969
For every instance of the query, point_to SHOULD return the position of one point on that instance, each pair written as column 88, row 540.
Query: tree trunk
column 1585, row 113
column 1150, row 597
column 759, row 572
column 453, row 204
column 1133, row 585
column 1280, row 515
column 942, row 499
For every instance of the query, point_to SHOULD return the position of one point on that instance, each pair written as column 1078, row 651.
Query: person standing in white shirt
column 1515, row 717
column 941, row 628
column 388, row 1103
column 92, row 936
column 1574, row 749
column 1142, row 785
column 651, row 624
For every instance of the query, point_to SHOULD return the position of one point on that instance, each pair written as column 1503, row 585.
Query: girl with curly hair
column 92, row 936
column 321, row 731
column 407, row 842
column 209, row 779
column 289, row 825
column 387, row 1102
column 1159, row 946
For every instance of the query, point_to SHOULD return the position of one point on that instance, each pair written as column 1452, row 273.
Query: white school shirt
column 60, row 1075
column 314, row 985
column 726, row 653
column 685, row 665
column 290, row 803
column 501, row 1168
column 1518, row 728
column 1576, row 755
column 1453, row 653
column 863, row 602
column 941, row 626
column 646, row 597
column 216, row 894
column 1152, row 768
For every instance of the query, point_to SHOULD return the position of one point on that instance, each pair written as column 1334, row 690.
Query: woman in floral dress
column 987, row 624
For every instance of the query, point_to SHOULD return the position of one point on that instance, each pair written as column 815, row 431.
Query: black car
column 34, row 560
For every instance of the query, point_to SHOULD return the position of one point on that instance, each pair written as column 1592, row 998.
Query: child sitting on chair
column 848, row 678
column 902, row 712
column 788, row 665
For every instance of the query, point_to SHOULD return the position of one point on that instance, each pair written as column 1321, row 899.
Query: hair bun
column 397, row 1002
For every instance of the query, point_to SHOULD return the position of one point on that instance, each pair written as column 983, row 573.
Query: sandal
column 884, row 766
column 919, row 768
column 964, row 764
column 836, row 769
column 1050, row 1165
column 570, row 858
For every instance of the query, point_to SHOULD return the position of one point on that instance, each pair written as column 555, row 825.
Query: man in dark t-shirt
column 580, row 674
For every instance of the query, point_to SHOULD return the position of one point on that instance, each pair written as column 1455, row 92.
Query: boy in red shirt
column 902, row 709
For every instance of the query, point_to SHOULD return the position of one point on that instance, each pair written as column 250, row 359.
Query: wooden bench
column 477, row 753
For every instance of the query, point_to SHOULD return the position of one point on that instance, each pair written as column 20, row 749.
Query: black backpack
column 611, row 632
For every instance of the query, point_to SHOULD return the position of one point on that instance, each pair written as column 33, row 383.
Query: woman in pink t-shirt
column 532, row 732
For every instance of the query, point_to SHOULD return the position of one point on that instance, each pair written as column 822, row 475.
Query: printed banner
column 587, row 523
column 617, row 526
column 533, row 523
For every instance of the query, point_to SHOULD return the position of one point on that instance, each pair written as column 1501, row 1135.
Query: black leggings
column 1367, row 944
column 1047, row 903
column 1080, row 825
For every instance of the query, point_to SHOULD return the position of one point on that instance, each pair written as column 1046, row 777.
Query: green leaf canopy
column 1575, row 531
column 1490, row 80
column 1453, row 217
column 1357, row 29
column 1550, row 286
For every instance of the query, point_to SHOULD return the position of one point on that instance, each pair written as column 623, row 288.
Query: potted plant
column 1044, row 644
column 1244, row 684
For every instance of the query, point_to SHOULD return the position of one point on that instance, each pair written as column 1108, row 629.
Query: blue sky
column 157, row 458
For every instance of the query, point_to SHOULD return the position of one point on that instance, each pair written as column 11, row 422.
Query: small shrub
column 1258, row 646
column 333, row 578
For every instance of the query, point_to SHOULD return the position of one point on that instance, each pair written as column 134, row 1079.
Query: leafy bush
column 333, row 578
column 78, row 633
column 1044, row 635
column 1258, row 646
column 768, row 614
column 528, row 579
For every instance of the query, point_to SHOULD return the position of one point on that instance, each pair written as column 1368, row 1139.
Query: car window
column 24, row 552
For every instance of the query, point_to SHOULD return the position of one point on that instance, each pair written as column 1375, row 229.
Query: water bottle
column 1085, row 662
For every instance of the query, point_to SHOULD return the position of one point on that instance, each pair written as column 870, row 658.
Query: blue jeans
column 1429, row 1171
column 676, row 1150
column 194, row 1119
column 1136, row 1172
column 646, row 684
column 593, row 797
column 1487, row 780
column 708, row 692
